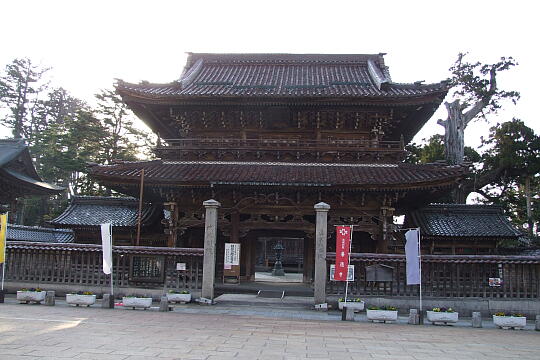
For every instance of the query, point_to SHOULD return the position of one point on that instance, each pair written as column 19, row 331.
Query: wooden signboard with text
column 231, row 261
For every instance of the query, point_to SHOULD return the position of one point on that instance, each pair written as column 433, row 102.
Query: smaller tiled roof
column 39, row 234
column 462, row 221
column 206, row 173
column 92, row 211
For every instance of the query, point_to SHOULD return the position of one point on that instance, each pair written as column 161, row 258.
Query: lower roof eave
column 306, row 186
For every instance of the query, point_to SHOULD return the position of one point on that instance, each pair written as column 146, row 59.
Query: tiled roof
column 93, row 211
column 38, row 234
column 454, row 220
column 10, row 149
column 284, row 75
column 16, row 167
column 374, row 176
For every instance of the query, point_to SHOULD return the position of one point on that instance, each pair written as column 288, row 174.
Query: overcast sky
column 90, row 43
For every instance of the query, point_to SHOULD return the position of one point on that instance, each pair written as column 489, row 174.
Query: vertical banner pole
column 348, row 264
column 140, row 208
column 3, row 234
column 112, row 264
column 420, row 266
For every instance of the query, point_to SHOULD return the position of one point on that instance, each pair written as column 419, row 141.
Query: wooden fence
column 446, row 276
column 81, row 264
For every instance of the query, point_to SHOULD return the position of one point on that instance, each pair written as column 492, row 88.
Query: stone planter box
column 510, row 322
column 137, row 302
column 76, row 299
column 31, row 296
column 382, row 315
column 178, row 298
column 356, row 305
column 442, row 317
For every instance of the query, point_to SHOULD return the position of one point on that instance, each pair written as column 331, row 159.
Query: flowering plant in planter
column 442, row 315
column 385, row 308
column 382, row 313
column 178, row 296
column 355, row 303
column 36, row 295
column 509, row 320
column 443, row 309
column 81, row 298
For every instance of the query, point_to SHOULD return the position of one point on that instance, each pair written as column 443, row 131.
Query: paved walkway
column 198, row 332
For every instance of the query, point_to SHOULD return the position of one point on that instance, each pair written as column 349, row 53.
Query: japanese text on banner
column 343, row 245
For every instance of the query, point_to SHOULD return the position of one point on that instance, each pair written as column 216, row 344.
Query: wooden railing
column 277, row 144
column 81, row 264
column 447, row 276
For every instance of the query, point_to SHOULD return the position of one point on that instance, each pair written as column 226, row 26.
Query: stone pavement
column 198, row 332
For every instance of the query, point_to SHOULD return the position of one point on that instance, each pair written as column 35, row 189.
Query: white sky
column 89, row 43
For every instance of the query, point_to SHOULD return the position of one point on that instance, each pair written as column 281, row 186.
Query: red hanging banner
column 343, row 246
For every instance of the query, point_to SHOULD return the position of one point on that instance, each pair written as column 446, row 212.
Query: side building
column 85, row 214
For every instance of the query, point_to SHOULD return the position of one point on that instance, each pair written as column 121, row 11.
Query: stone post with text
column 210, row 235
column 320, row 252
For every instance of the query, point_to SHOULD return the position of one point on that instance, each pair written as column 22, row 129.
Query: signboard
column 181, row 266
column 350, row 273
column 232, row 255
column 231, row 261
column 495, row 282
column 343, row 246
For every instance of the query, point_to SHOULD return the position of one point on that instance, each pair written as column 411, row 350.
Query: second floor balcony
column 328, row 150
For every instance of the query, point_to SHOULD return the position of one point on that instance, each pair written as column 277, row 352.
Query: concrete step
column 272, row 294
column 255, row 301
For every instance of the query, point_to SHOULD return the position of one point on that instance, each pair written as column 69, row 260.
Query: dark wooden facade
column 269, row 136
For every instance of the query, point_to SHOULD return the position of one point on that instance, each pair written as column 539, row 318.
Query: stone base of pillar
column 205, row 301
column 347, row 314
column 414, row 317
column 164, row 304
column 108, row 301
column 537, row 324
column 50, row 298
column 476, row 320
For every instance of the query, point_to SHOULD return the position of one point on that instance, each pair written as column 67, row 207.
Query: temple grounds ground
column 38, row 331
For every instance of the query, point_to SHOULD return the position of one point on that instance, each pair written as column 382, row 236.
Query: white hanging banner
column 106, row 243
column 413, row 260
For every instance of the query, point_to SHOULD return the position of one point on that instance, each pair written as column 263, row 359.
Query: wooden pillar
column 309, row 252
column 320, row 252
column 235, row 227
column 172, row 207
column 210, row 236
column 386, row 216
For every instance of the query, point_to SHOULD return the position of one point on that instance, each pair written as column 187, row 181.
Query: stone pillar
column 537, row 323
column 320, row 252
column 210, row 235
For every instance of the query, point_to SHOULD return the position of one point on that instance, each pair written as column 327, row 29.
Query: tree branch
column 484, row 101
column 442, row 122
